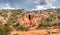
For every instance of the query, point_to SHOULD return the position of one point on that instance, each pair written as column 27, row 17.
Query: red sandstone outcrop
column 32, row 18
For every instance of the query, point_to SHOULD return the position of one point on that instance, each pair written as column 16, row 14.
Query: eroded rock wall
column 32, row 19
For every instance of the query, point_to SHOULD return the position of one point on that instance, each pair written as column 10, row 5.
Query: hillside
column 22, row 20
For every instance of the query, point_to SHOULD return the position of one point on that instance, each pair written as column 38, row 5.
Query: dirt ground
column 34, row 32
column 37, row 32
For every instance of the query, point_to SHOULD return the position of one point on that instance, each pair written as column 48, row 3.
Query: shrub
column 4, row 30
column 20, row 27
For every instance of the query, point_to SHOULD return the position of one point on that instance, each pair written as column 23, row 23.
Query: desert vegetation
column 22, row 20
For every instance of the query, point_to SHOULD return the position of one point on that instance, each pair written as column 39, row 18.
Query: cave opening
column 29, row 16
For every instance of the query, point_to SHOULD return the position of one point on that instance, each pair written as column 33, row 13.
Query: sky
column 29, row 4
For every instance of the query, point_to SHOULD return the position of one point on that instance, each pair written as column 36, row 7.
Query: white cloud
column 7, row 7
column 53, row 7
column 50, row 1
column 48, row 5
column 32, row 1
column 36, row 1
column 38, row 7
column 44, row 7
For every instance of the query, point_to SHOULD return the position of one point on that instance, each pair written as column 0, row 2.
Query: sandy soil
column 34, row 32
column 55, row 34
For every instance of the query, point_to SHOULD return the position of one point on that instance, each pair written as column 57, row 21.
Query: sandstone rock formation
column 31, row 19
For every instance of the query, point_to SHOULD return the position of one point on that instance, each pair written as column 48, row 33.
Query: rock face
column 31, row 19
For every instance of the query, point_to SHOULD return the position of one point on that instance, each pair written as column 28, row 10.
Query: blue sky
column 29, row 4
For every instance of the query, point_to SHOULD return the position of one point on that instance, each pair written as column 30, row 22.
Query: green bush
column 4, row 30
column 20, row 27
